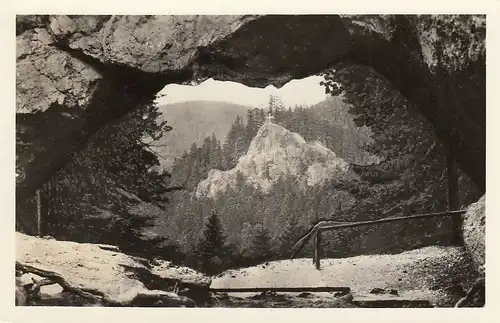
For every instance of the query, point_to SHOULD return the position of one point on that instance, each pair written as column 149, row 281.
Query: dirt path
column 431, row 273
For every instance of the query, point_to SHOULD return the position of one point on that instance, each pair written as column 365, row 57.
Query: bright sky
column 305, row 91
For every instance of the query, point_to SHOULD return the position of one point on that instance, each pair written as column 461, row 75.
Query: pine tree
column 261, row 117
column 84, row 202
column 241, row 143
column 252, row 125
column 262, row 247
column 211, row 246
column 289, row 234
column 246, row 235
column 206, row 153
column 229, row 146
column 215, row 153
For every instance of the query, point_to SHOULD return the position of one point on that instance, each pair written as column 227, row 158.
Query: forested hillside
column 116, row 192
column 111, row 192
column 192, row 121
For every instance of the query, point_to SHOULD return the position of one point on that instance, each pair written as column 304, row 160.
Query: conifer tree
column 289, row 234
column 261, row 117
column 211, row 246
column 215, row 153
column 90, row 196
column 205, row 152
column 262, row 243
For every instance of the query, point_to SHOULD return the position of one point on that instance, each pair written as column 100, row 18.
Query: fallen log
column 109, row 247
column 144, row 298
column 35, row 289
column 320, row 289
column 162, row 298
column 57, row 278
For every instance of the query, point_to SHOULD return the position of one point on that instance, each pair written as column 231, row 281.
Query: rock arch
column 77, row 73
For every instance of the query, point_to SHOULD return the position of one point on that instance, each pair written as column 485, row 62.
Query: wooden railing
column 333, row 225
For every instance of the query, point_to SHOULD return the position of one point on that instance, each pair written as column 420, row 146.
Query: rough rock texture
column 273, row 153
column 438, row 63
column 409, row 178
column 121, row 278
column 77, row 73
column 474, row 232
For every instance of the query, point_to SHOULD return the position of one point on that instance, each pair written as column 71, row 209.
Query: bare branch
column 162, row 297
column 35, row 289
column 57, row 278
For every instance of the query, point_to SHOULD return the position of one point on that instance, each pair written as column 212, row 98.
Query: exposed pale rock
column 451, row 41
column 185, row 275
column 47, row 76
column 474, row 229
column 370, row 25
column 114, row 274
column 49, row 289
column 277, row 153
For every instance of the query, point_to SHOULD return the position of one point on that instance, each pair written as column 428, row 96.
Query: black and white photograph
column 250, row 161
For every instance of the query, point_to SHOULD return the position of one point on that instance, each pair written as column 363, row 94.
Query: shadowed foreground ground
column 436, row 274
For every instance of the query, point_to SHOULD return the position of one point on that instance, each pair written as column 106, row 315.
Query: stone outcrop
column 474, row 229
column 109, row 277
column 276, row 153
column 77, row 73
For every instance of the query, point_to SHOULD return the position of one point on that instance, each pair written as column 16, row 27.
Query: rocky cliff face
column 274, row 153
column 77, row 73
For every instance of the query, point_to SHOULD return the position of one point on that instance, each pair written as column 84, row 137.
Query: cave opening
column 185, row 129
column 239, row 195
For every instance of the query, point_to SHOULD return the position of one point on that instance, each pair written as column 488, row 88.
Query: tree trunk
column 39, row 212
column 453, row 198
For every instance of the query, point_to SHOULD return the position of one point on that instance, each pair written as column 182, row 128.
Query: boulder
column 474, row 232
column 101, row 277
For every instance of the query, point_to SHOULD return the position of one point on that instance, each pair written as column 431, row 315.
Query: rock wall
column 77, row 73
column 474, row 230
column 410, row 177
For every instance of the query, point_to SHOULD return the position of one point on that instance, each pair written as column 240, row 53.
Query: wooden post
column 48, row 208
column 314, row 252
column 453, row 199
column 39, row 212
column 317, row 249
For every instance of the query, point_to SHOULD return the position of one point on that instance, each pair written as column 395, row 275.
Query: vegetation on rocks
column 406, row 93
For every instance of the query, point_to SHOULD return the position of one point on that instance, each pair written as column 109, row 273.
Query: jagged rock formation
column 274, row 153
column 474, row 232
column 100, row 275
column 77, row 73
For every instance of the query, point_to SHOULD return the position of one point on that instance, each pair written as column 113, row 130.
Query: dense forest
column 98, row 196
column 115, row 192
column 256, row 224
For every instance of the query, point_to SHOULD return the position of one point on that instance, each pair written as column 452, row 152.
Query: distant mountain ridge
column 192, row 121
